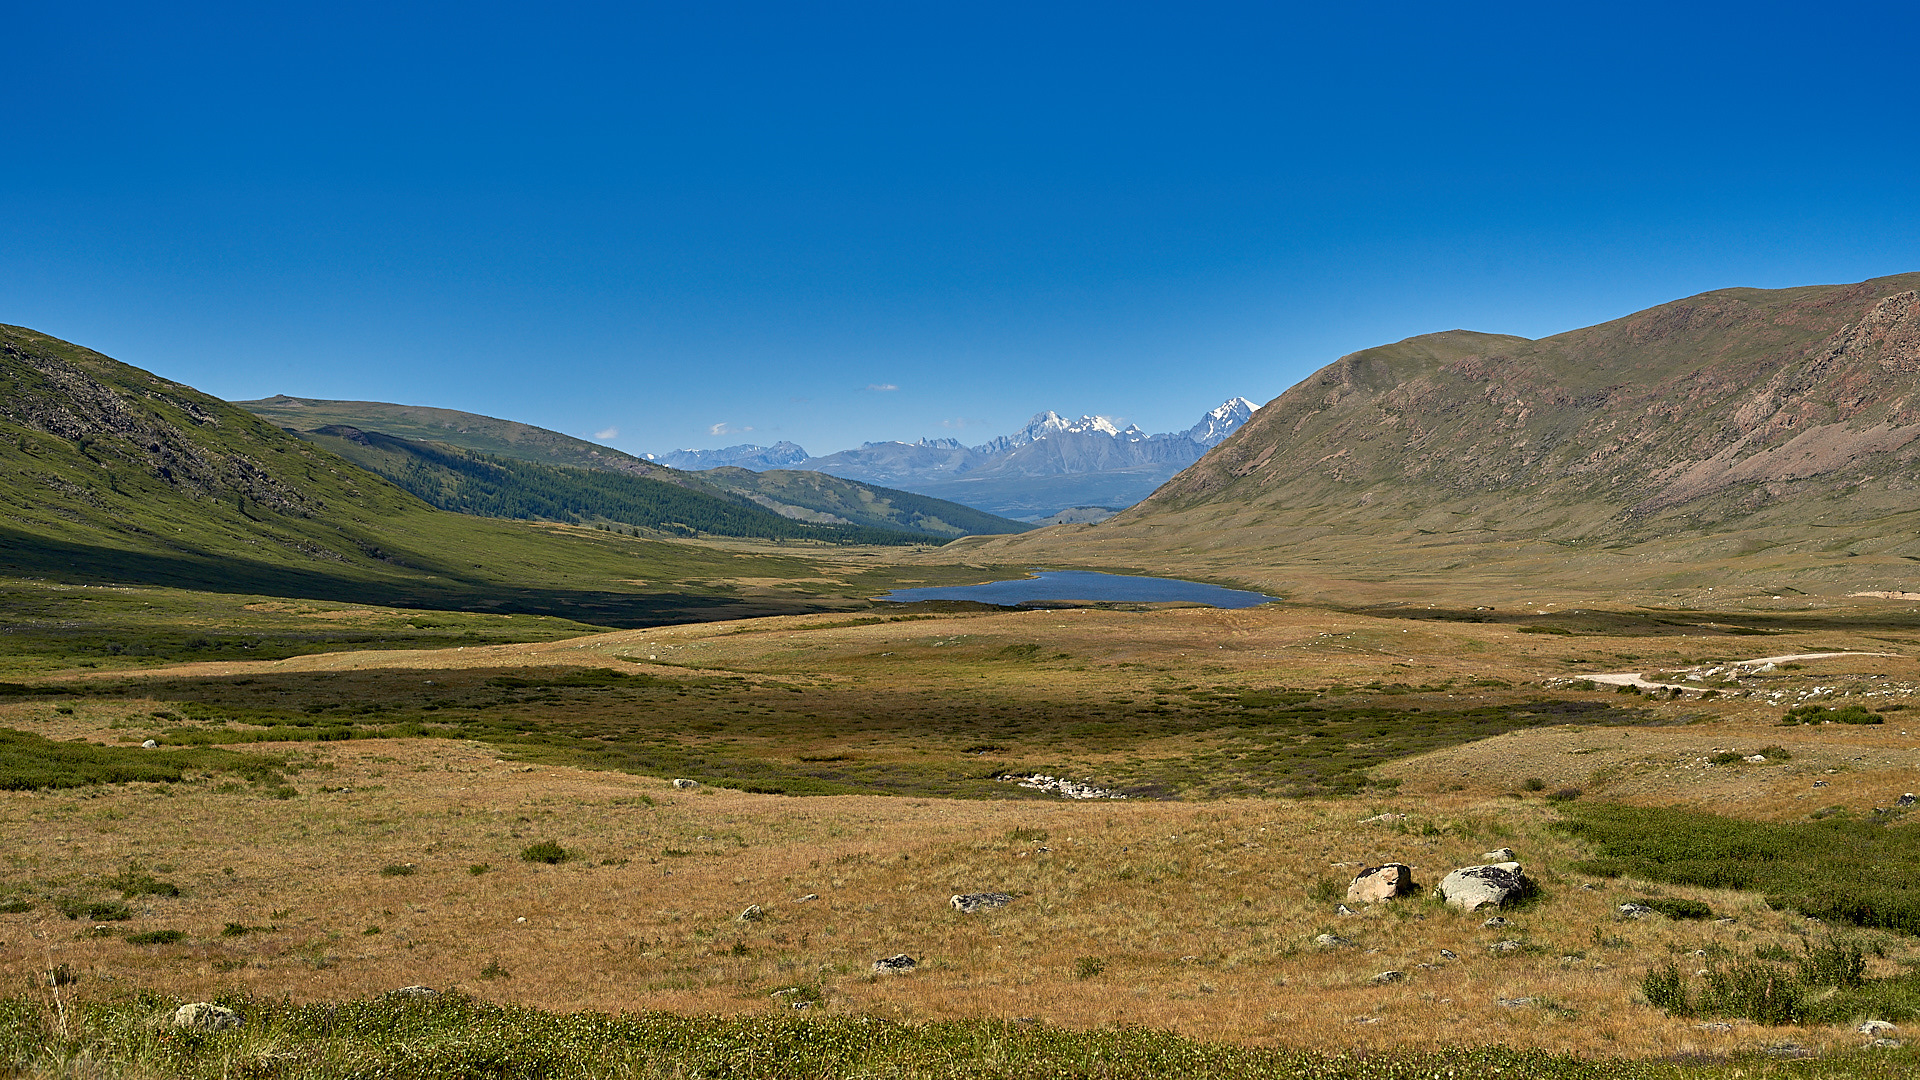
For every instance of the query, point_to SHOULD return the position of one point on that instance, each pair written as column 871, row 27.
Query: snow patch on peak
column 1221, row 422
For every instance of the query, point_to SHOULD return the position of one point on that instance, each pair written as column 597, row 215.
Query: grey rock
column 413, row 992
column 1498, row 855
column 205, row 1016
column 897, row 964
column 1449, row 954
column 1471, row 888
column 1514, row 1003
column 1494, row 923
column 809, row 896
column 1634, row 911
column 1876, row 1027
column 1383, row 819
column 754, row 913
column 1715, row 1025
column 684, row 784
column 1508, row 945
column 1377, row 883
column 1332, row 941
column 1342, row 909
column 150, row 744
column 1387, row 977
column 1886, row 1044
column 1906, row 800
column 968, row 903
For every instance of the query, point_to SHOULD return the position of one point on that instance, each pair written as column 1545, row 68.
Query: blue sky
column 698, row 225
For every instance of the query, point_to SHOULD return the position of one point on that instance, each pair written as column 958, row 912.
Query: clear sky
column 698, row 224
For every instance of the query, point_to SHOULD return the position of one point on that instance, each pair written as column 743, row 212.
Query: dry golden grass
column 1203, row 914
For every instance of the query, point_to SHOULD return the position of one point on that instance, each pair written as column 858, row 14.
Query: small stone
column 1383, row 819
column 1634, row 911
column 803, row 1004
column 1508, row 945
column 1331, row 941
column 1886, row 1044
column 413, row 992
column 1715, row 1025
column 206, row 1016
column 1504, row 854
column 1755, row 759
column 1876, row 1027
column 1819, row 783
column 897, row 964
column 754, row 913
column 1449, row 954
column 683, row 783
column 1906, row 800
column 1342, row 909
column 150, row 744
column 809, row 896
column 1494, row 923
column 1514, row 1003
column 968, row 903
column 1387, row 977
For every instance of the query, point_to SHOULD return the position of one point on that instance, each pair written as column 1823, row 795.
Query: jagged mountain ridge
column 1766, row 428
column 1050, row 464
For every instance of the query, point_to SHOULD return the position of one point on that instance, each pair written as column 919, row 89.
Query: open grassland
column 380, row 834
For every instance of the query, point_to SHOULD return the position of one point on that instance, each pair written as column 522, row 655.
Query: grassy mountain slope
column 468, row 482
column 110, row 474
column 801, row 496
column 1772, row 432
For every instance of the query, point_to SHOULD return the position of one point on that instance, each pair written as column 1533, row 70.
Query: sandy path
column 1635, row 678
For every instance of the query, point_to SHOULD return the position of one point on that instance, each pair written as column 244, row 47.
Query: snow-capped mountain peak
column 1223, row 421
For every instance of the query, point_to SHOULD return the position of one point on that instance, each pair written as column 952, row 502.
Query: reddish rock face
column 1377, row 883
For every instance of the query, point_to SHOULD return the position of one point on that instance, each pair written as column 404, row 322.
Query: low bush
column 1820, row 714
column 546, row 851
column 157, row 937
column 1674, row 907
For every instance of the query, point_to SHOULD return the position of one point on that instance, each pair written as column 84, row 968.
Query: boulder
column 1505, row 946
column 1331, row 941
column 897, row 964
column 1377, row 883
column 1387, row 977
column 1471, row 888
column 754, row 913
column 968, row 903
column 206, row 1016
column 683, row 783
column 1632, row 910
column 1498, row 855
column 1876, row 1027
column 1494, row 923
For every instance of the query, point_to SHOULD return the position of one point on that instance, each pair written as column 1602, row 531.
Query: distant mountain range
column 1051, row 465
column 1741, row 439
column 398, row 441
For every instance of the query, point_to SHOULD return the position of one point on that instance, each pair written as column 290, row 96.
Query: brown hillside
column 1771, row 434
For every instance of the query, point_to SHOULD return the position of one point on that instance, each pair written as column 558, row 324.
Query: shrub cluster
column 1760, row 991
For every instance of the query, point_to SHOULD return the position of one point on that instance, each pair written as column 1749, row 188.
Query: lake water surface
column 1086, row 585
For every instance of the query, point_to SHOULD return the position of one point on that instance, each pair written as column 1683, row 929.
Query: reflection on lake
column 1086, row 585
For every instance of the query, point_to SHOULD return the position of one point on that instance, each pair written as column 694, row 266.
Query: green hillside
column 113, row 475
column 468, row 482
column 801, row 496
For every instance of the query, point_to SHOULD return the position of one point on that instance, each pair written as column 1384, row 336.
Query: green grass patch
column 30, row 762
column 451, row 1036
column 1833, row 869
column 1820, row 714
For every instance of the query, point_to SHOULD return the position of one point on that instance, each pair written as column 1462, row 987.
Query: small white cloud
column 959, row 422
column 607, row 433
column 881, row 386
column 724, row 428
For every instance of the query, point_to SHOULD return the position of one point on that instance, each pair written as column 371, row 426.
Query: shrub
column 1820, row 714
column 156, row 937
column 15, row 906
column 1755, row 990
column 495, row 970
column 397, row 870
column 1086, row 967
column 478, row 868
column 1834, row 963
column 1724, row 757
column 546, row 851
column 1565, row 794
column 1534, row 783
column 1666, row 988
column 96, row 910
